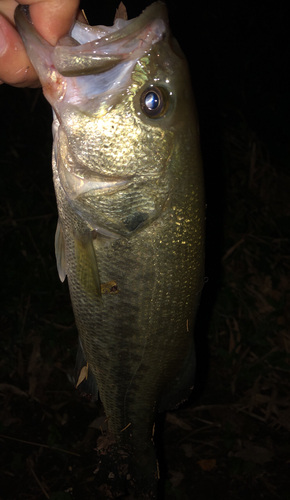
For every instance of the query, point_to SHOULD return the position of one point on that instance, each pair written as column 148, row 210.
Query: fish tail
column 129, row 472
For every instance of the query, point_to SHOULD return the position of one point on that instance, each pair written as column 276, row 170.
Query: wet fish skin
column 130, row 199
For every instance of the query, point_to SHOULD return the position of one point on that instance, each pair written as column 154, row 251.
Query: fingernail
column 3, row 42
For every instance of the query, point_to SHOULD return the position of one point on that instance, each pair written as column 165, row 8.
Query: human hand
column 52, row 19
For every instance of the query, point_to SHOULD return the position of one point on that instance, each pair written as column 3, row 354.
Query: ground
column 232, row 439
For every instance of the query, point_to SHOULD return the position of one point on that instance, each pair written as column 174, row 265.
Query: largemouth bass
column 130, row 238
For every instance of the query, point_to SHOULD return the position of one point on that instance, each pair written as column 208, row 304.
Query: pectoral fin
column 87, row 266
column 60, row 252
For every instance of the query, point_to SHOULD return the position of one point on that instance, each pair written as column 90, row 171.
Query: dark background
column 232, row 439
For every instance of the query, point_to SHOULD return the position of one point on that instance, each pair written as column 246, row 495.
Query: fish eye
column 154, row 102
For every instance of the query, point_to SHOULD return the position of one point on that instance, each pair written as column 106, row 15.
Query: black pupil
column 151, row 100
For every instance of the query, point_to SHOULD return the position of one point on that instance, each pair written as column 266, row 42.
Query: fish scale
column 130, row 237
column 132, row 328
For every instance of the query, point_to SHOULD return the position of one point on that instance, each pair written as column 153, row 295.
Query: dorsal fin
column 121, row 12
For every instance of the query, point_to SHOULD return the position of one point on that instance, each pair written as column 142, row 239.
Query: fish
column 128, row 180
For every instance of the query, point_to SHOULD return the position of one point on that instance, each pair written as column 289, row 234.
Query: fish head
column 122, row 105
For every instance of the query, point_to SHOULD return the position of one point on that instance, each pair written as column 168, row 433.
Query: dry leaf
column 83, row 374
column 255, row 454
column 173, row 419
column 12, row 389
column 188, row 449
column 232, row 343
column 99, row 423
column 207, row 464
column 103, row 442
column 176, row 478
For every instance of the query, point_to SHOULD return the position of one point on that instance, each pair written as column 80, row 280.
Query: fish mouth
column 109, row 49
column 92, row 50
column 91, row 66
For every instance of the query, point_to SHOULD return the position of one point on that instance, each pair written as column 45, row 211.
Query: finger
column 52, row 18
column 7, row 7
column 15, row 67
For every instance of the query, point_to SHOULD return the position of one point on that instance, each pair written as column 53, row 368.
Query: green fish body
column 128, row 180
